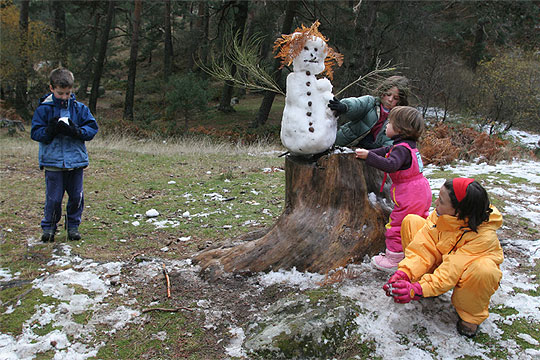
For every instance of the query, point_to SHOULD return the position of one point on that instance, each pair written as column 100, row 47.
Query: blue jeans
column 56, row 183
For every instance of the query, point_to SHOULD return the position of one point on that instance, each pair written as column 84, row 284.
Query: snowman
column 308, row 126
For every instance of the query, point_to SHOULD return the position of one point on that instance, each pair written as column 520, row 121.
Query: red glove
column 403, row 291
column 398, row 275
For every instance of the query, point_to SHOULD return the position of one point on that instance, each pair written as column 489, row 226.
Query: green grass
column 30, row 298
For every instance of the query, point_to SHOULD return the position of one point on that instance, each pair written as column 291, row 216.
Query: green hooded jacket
column 362, row 114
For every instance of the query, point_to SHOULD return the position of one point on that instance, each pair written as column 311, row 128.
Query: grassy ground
column 126, row 178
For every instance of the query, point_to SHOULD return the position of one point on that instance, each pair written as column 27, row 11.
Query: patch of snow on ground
column 529, row 140
column 527, row 207
column 292, row 277
column 234, row 348
column 5, row 275
column 80, row 289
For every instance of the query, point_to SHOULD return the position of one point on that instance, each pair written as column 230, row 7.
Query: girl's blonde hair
column 407, row 121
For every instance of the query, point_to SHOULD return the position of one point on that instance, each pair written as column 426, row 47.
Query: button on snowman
column 308, row 126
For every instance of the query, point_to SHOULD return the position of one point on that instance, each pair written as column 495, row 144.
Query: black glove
column 337, row 106
column 52, row 128
column 69, row 130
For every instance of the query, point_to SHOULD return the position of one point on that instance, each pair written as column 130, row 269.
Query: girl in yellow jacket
column 455, row 247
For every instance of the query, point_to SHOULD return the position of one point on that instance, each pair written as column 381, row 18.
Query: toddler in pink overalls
column 410, row 190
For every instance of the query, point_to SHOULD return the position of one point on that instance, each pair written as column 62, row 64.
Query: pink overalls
column 410, row 193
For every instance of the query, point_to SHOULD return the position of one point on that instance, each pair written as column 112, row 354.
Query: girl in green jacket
column 368, row 114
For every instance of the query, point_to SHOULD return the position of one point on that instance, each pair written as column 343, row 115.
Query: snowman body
column 308, row 126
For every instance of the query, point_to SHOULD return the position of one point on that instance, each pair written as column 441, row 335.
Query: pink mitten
column 398, row 275
column 403, row 291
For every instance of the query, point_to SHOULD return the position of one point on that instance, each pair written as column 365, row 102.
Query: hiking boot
column 387, row 261
column 48, row 235
column 467, row 329
column 74, row 234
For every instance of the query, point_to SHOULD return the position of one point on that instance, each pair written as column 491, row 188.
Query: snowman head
column 307, row 50
column 311, row 57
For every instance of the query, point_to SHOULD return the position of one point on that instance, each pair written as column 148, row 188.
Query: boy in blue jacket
column 61, row 125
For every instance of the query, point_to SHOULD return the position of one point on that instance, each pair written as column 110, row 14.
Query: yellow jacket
column 444, row 247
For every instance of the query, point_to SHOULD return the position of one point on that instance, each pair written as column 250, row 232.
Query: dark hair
column 474, row 208
column 407, row 121
column 402, row 84
column 62, row 78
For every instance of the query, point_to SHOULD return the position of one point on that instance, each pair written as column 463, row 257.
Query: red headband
column 460, row 187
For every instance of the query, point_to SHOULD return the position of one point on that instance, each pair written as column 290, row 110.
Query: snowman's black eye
column 316, row 49
column 306, row 48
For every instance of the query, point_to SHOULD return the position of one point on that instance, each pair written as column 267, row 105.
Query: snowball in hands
column 308, row 126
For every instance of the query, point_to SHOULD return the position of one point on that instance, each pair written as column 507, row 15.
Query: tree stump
column 334, row 215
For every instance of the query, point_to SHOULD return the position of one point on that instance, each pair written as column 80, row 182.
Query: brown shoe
column 467, row 329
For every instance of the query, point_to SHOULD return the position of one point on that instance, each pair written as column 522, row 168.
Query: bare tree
column 240, row 7
column 268, row 99
column 130, row 90
column 21, row 87
column 98, row 69
column 60, row 31
column 168, row 48
column 90, row 51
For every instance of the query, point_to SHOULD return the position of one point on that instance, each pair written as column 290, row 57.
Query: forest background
column 137, row 64
column 475, row 73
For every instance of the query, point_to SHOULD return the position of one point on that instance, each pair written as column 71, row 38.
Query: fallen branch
column 168, row 281
column 374, row 74
column 134, row 256
column 167, row 309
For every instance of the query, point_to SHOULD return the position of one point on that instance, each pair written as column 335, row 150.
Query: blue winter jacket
column 62, row 151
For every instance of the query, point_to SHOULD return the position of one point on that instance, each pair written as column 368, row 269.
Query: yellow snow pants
column 477, row 284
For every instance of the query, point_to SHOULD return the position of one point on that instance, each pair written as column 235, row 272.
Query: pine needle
column 244, row 56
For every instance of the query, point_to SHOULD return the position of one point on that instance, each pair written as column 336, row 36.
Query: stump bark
column 334, row 215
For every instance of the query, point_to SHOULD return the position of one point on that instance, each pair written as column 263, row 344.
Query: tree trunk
column 60, row 32
column 91, row 50
column 241, row 12
column 268, row 99
column 98, row 70
column 168, row 49
column 21, row 86
column 479, row 45
column 331, row 218
column 132, row 71
column 203, row 25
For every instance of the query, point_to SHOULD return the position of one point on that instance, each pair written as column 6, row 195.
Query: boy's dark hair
column 402, row 84
column 407, row 121
column 61, row 77
column 474, row 208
